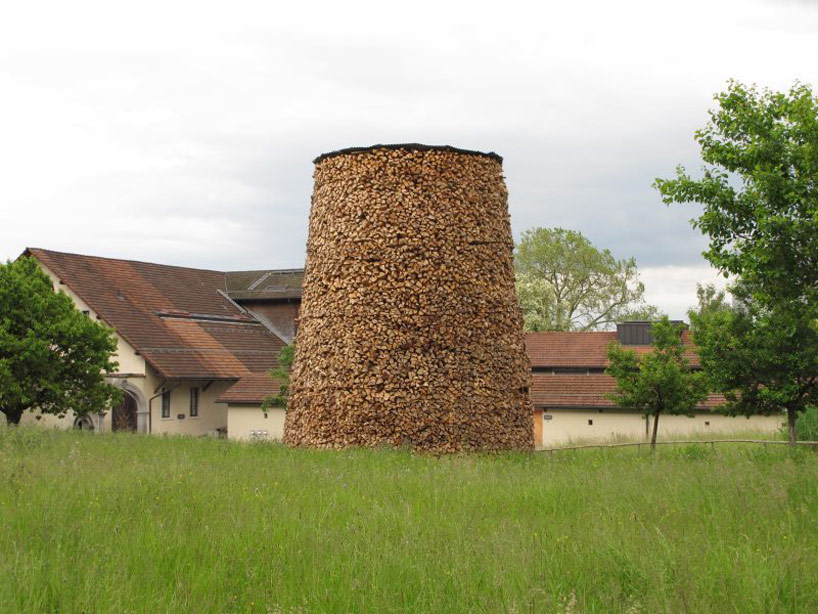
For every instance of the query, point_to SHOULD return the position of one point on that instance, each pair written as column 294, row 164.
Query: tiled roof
column 583, row 391
column 264, row 284
column 553, row 349
column 547, row 391
column 577, row 349
column 251, row 389
column 173, row 316
column 571, row 390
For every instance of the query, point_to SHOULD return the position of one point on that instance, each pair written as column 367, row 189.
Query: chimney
column 637, row 332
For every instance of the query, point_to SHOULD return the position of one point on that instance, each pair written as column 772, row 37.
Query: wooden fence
column 677, row 442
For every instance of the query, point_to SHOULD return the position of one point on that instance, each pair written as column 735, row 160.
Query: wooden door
column 123, row 417
column 538, row 428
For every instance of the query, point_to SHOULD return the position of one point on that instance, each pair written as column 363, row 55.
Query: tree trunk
column 13, row 415
column 791, row 413
column 655, row 431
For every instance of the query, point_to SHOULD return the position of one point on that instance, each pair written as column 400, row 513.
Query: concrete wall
column 243, row 420
column 561, row 426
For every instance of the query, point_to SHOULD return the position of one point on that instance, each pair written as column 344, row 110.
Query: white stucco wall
column 244, row 420
column 567, row 425
column 211, row 416
column 49, row 420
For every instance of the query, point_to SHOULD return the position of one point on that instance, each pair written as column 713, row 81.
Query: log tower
column 410, row 332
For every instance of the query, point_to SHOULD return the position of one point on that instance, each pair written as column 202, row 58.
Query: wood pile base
column 409, row 331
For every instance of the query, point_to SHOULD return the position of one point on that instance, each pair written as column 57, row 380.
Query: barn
column 195, row 346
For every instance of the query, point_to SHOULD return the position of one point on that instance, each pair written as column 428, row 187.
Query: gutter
column 150, row 401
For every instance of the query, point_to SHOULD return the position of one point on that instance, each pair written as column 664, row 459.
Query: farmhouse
column 184, row 336
column 194, row 348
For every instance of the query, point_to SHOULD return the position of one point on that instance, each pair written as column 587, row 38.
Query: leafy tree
column 659, row 382
column 759, row 190
column 762, row 359
column 52, row 357
column 710, row 299
column 281, row 375
column 565, row 283
column 760, row 196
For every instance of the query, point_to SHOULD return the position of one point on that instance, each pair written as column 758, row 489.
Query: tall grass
column 119, row 523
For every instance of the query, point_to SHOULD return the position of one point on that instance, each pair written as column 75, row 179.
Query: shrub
column 806, row 424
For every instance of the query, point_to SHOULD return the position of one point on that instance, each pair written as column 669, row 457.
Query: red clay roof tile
column 583, row 391
column 579, row 349
column 250, row 389
column 129, row 296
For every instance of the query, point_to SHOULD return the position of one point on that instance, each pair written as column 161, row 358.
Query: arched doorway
column 84, row 423
column 123, row 418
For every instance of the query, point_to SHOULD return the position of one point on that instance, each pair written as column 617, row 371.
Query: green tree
column 709, row 299
column 658, row 382
column 565, row 283
column 762, row 359
column 759, row 192
column 281, row 376
column 52, row 357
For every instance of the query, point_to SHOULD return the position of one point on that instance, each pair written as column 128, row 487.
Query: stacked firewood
column 409, row 331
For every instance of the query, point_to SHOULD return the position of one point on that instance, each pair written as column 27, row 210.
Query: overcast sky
column 184, row 132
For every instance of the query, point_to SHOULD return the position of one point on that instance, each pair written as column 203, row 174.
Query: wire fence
column 712, row 442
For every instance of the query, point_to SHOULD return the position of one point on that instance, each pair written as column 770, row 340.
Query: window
column 194, row 402
column 166, row 404
column 570, row 371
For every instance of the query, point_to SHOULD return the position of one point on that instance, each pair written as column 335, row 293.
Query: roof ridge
column 301, row 270
column 170, row 266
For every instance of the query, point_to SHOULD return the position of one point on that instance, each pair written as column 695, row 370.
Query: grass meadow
column 126, row 523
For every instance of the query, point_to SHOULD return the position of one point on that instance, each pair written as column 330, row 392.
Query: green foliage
column 657, row 382
column 760, row 197
column 52, row 357
column 205, row 525
column 763, row 360
column 759, row 190
column 565, row 283
column 807, row 424
column 281, row 375
column 710, row 299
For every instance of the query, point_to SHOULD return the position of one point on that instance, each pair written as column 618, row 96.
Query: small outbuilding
column 569, row 388
column 246, row 420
